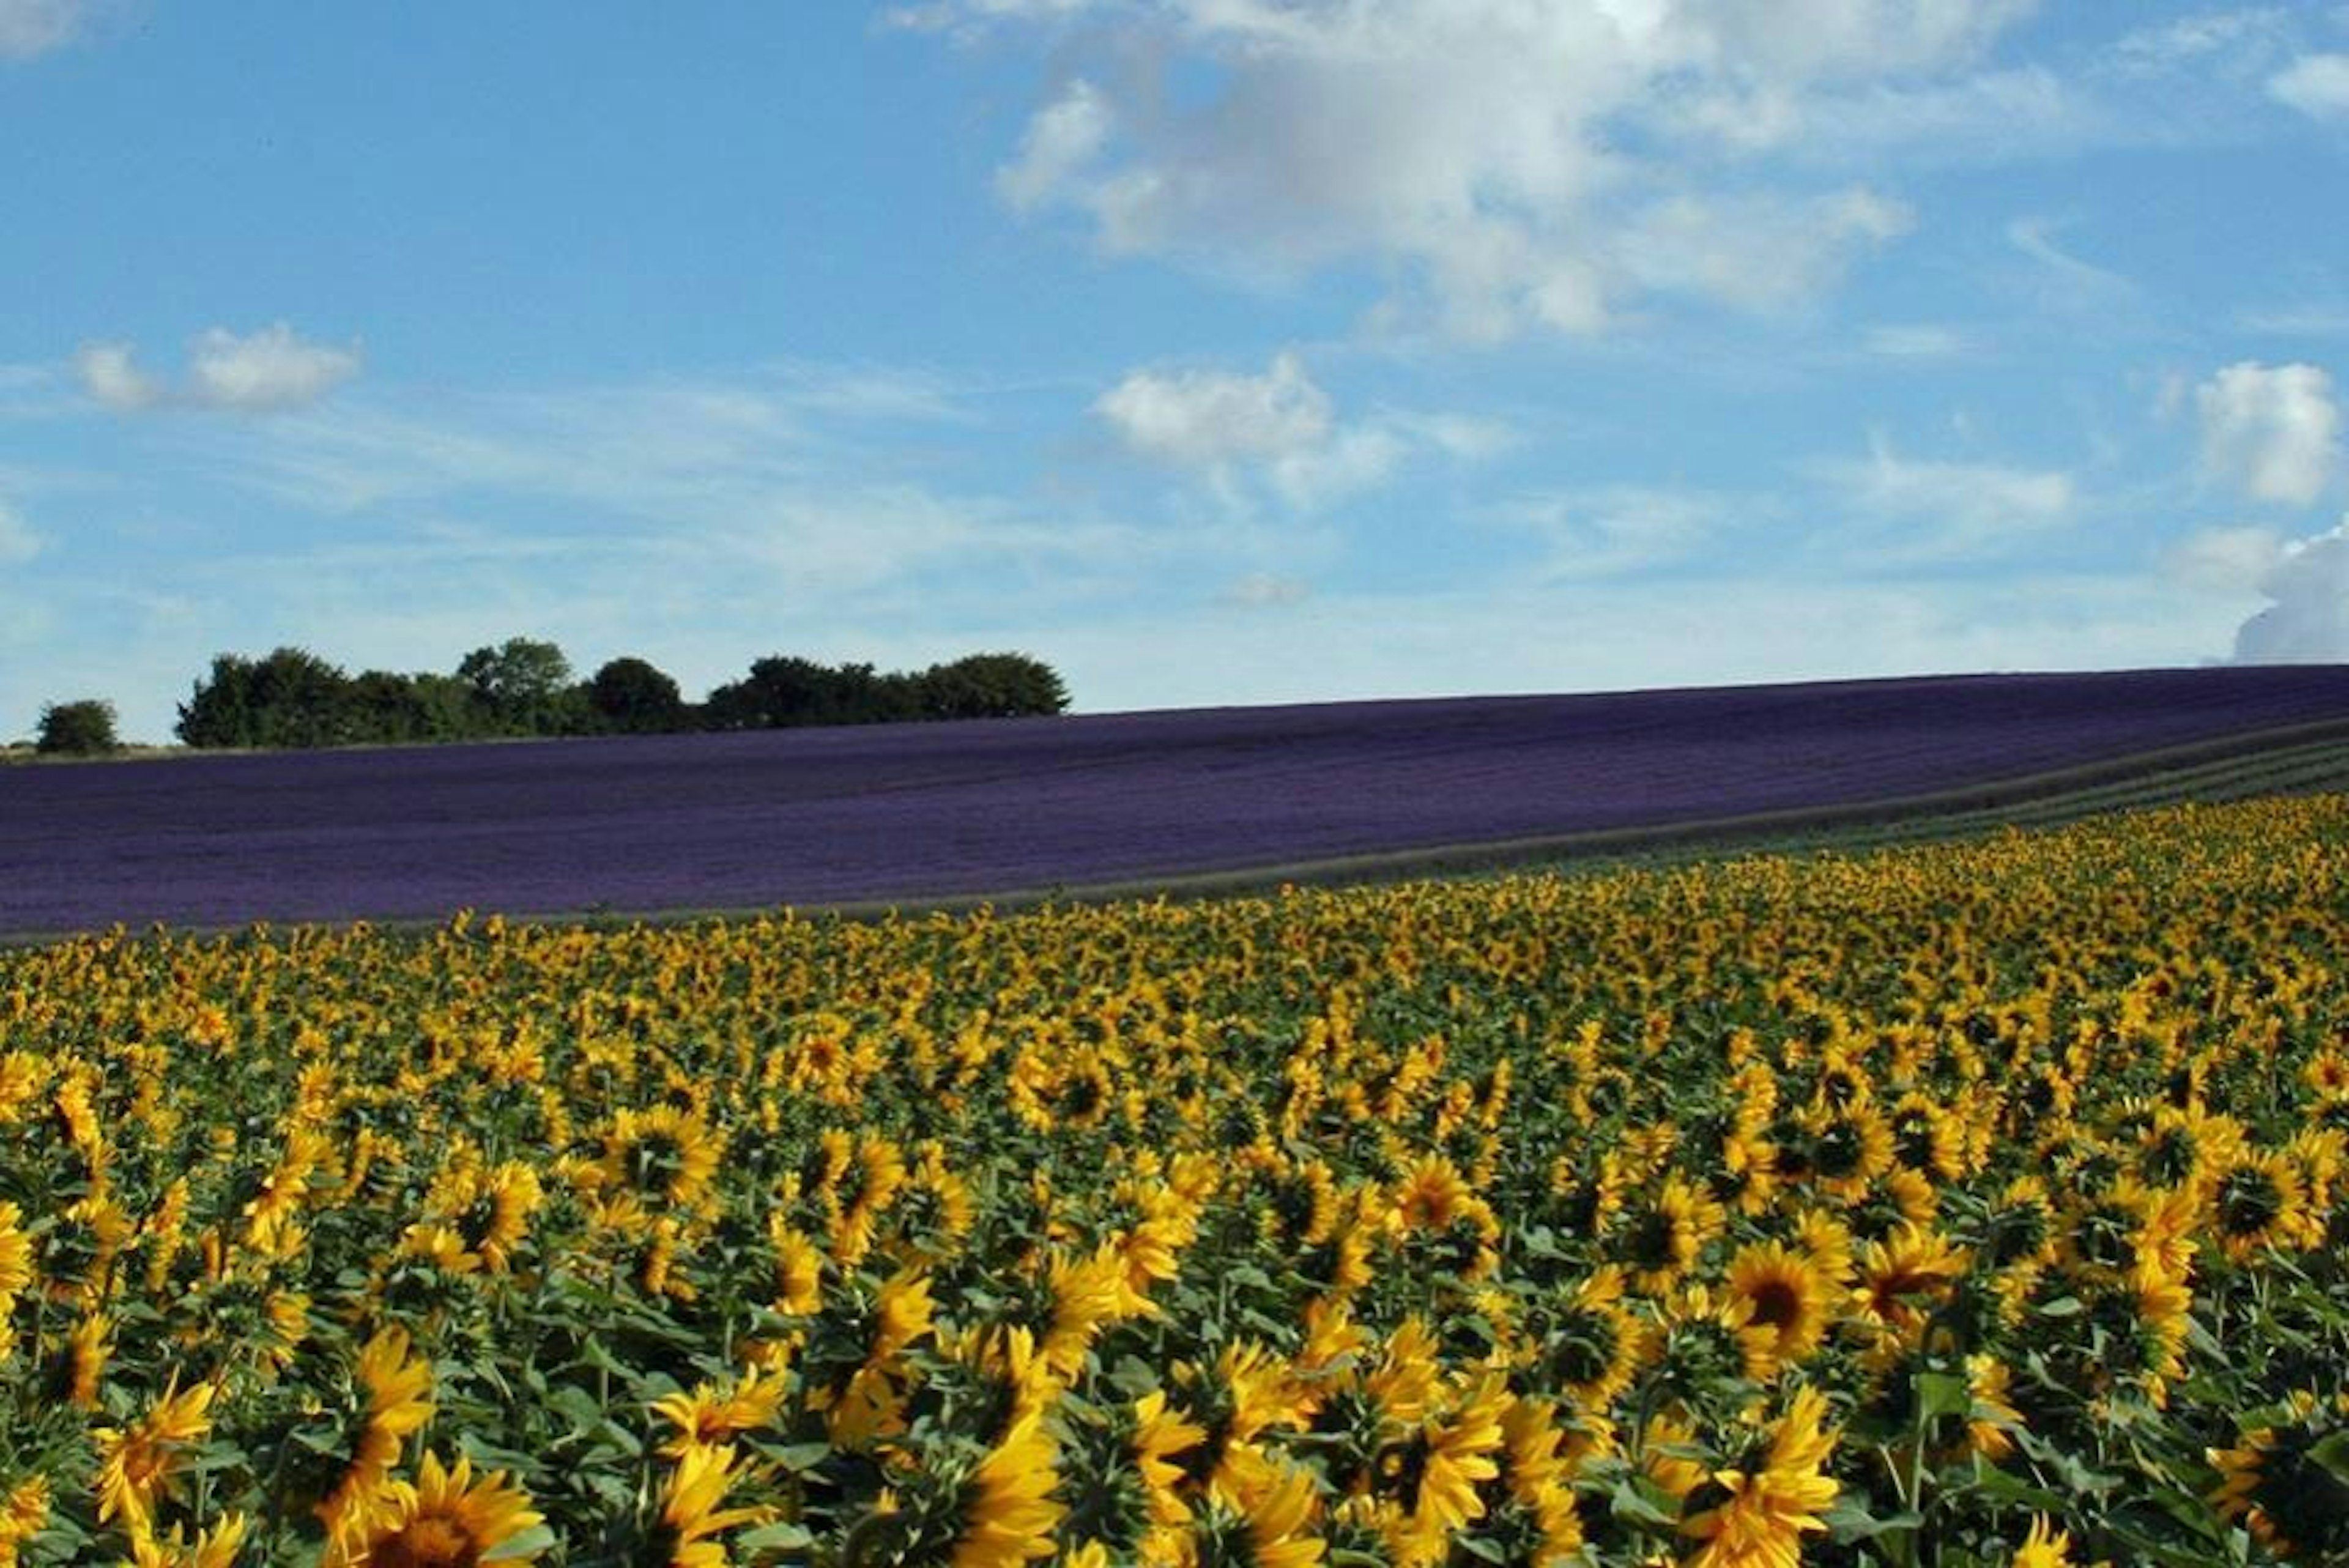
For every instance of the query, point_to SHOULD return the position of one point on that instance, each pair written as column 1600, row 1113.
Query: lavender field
column 941, row 810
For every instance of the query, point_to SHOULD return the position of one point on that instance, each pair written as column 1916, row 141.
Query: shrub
column 84, row 729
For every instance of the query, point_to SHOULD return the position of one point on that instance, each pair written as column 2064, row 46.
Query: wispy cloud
column 2316, row 85
column 787, row 473
column 1913, row 510
column 30, row 27
column 18, row 542
column 1621, row 529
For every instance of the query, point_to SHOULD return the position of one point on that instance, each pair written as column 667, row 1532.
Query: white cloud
column 107, row 374
column 1219, row 426
column 2230, row 39
column 30, row 27
column 17, row 540
column 2311, row 318
column 1546, row 636
column 1755, row 254
column 725, row 484
column 1948, row 509
column 1062, row 141
column 2274, row 430
column 1200, row 419
column 2316, row 85
column 2084, row 281
column 1511, row 164
column 1263, row 590
column 269, row 370
column 2306, row 620
column 2231, row 560
column 1610, row 530
column 1916, row 340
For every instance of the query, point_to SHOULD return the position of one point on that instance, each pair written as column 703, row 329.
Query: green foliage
column 523, row 688
column 631, row 697
column 83, row 729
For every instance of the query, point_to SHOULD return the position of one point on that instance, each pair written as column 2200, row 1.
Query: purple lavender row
column 908, row 812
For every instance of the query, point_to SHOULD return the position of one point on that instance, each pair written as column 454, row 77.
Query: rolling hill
column 921, row 813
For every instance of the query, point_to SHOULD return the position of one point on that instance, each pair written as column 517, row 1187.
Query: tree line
column 525, row 688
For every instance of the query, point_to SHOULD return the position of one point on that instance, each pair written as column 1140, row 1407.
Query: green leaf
column 775, row 1538
column 1636, row 1500
column 1944, row 1394
column 1848, row 1520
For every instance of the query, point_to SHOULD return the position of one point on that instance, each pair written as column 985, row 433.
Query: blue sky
column 1216, row 351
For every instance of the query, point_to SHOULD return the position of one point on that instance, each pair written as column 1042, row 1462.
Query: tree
column 991, row 686
column 83, row 729
column 524, row 687
column 291, row 698
column 631, row 697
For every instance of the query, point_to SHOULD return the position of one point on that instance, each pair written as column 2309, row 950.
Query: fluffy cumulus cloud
column 1513, row 165
column 2316, row 85
column 2272, row 430
column 2307, row 621
column 1222, row 426
column 1200, row 419
column 266, row 372
column 30, row 27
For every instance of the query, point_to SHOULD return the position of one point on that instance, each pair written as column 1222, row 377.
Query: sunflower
column 214, row 1548
column 1765, row 1511
column 1790, row 1302
column 2260, row 1202
column 89, row 1348
column 860, row 1195
column 711, row 1417
column 1850, row 1150
column 1267, row 1525
column 1745, row 1176
column 1904, row 1277
column 1434, row 1473
column 397, row 1384
column 1593, row 1345
column 2273, row 1482
column 1088, row 1295
column 1927, row 1139
column 23, row 1514
column 663, row 1152
column 444, row 1519
column 136, row 1464
column 1660, row 1236
column 2043, row 1547
column 2146, row 1326
column 1993, row 1419
column 1234, row 1402
column 1586, row 1203
column 1158, row 1437
column 1435, row 1206
column 690, row 1513
column 1009, row 1511
column 15, row 1264
column 1532, row 1508
column 799, row 1269
column 489, row 1212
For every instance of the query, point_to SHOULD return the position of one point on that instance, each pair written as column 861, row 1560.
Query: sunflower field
column 1977, row 1204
